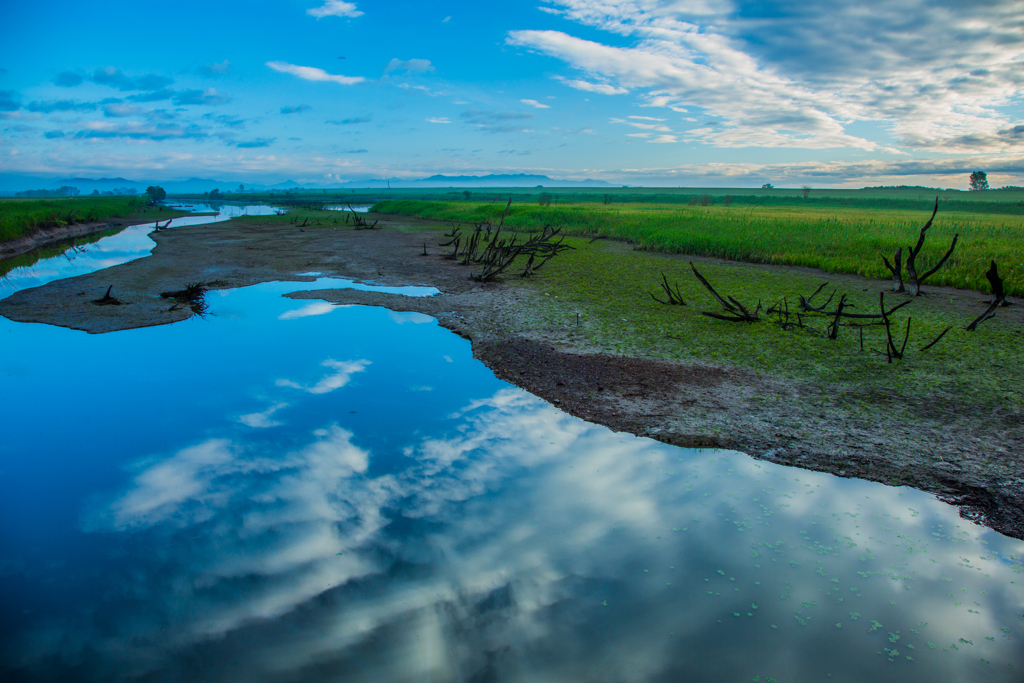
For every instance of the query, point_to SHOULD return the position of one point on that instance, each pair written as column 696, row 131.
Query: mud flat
column 967, row 451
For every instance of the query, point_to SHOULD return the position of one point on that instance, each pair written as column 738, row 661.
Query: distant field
column 835, row 238
column 1009, row 202
column 20, row 217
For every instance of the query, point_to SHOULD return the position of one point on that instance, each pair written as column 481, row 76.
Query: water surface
column 127, row 245
column 295, row 491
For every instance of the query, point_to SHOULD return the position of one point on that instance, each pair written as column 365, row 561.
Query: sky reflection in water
column 127, row 245
column 282, row 492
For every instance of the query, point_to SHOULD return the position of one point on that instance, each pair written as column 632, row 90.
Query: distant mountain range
column 10, row 183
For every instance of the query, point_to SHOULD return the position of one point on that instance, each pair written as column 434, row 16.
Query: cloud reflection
column 518, row 539
column 342, row 375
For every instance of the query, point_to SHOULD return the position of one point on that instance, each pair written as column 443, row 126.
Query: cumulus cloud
column 68, row 79
column 343, row 371
column 536, row 104
column 297, row 109
column 937, row 75
column 312, row 73
column 335, row 8
column 410, row 65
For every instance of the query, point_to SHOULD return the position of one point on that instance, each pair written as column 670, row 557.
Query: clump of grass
column 834, row 238
column 19, row 218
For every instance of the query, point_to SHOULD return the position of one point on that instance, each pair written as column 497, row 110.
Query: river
column 297, row 491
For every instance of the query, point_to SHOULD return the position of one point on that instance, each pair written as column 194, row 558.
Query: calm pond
column 296, row 491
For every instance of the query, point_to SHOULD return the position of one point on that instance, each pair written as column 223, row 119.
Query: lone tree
column 806, row 190
column 156, row 193
column 767, row 186
column 979, row 181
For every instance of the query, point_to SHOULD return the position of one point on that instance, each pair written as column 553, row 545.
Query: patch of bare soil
column 968, row 455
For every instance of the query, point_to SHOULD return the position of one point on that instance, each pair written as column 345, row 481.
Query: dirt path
column 967, row 455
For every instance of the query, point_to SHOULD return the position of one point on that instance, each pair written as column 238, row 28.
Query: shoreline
column 45, row 236
column 967, row 454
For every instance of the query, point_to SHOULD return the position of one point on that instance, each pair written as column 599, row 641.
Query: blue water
column 295, row 491
column 129, row 244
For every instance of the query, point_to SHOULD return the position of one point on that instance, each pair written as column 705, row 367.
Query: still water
column 127, row 245
column 296, row 491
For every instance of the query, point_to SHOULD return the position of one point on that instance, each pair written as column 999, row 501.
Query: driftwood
column 936, row 340
column 735, row 311
column 359, row 222
column 913, row 282
column 157, row 227
column 495, row 254
column 193, row 296
column 890, row 349
column 673, row 297
column 107, row 299
column 998, row 298
column 896, row 270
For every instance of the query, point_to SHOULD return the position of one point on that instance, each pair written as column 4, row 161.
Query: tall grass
column 20, row 217
column 836, row 239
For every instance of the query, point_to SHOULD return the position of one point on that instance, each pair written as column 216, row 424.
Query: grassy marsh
column 829, row 237
column 21, row 217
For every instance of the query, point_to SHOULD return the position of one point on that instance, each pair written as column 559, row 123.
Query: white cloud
column 535, row 103
column 312, row 73
column 947, row 80
column 317, row 308
column 335, row 8
column 342, row 375
column 409, row 317
column 600, row 88
column 661, row 128
column 438, row 119
column 446, row 20
column 664, row 139
column 263, row 419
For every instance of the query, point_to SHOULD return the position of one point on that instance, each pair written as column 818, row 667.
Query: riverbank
column 947, row 420
column 50, row 235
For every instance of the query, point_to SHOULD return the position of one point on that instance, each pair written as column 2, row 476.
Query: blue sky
column 640, row 92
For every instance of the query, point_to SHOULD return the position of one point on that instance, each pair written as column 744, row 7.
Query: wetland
column 360, row 464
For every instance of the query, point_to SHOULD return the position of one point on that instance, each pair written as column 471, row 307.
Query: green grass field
column 20, row 217
column 834, row 238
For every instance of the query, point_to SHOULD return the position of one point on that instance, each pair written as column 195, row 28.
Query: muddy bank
column 968, row 455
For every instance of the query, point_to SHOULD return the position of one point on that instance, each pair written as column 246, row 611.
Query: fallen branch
column 737, row 312
column 107, row 300
column 673, row 298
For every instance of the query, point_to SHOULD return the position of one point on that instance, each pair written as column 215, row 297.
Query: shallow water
column 127, row 245
column 290, row 490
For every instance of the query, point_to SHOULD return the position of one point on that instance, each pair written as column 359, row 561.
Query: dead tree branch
column 735, row 311
column 673, row 297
